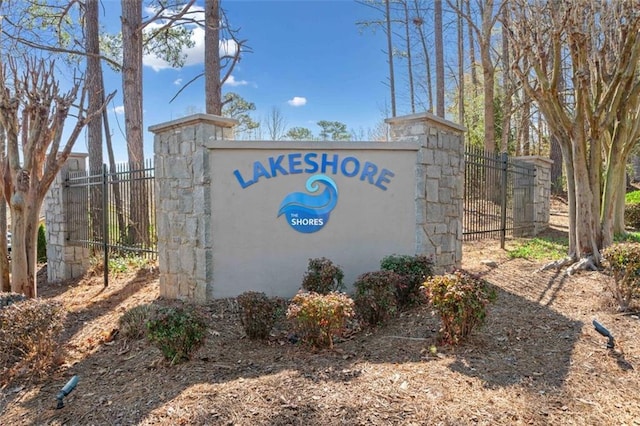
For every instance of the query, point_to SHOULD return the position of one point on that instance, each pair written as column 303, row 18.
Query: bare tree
column 33, row 112
column 489, row 12
column 597, row 133
column 276, row 124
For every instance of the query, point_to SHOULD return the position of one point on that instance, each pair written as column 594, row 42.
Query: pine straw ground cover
column 538, row 361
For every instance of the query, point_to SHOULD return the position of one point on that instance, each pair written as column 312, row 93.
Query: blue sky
column 308, row 58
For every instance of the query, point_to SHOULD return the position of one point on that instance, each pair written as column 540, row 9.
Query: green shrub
column 177, row 332
column 632, row 215
column 460, row 300
column 375, row 297
column 317, row 318
column 42, row 244
column 258, row 314
column 623, row 262
column 414, row 271
column 133, row 323
column 322, row 276
column 28, row 331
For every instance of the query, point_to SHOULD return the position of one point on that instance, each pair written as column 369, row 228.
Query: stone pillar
column 65, row 260
column 542, row 190
column 183, row 207
column 439, row 184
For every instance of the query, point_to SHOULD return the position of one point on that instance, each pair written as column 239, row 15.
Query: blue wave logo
column 309, row 213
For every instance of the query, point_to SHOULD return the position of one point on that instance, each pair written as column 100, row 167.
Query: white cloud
column 297, row 101
column 193, row 55
column 178, row 82
column 118, row 110
column 231, row 81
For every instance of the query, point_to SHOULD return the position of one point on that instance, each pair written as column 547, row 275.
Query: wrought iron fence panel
column 113, row 211
column 498, row 196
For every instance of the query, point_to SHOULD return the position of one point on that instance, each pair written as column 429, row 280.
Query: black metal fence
column 498, row 196
column 112, row 211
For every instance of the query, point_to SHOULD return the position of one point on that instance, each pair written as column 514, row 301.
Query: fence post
column 105, row 223
column 64, row 260
column 504, row 165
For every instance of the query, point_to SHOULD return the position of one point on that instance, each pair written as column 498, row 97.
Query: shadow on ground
column 525, row 342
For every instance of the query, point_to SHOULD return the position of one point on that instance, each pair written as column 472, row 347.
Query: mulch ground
column 537, row 361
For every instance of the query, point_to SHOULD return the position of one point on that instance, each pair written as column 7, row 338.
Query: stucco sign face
column 308, row 213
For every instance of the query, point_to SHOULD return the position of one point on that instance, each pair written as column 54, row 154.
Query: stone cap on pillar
column 425, row 117
column 534, row 159
column 214, row 120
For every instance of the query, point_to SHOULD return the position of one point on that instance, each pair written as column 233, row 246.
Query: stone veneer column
column 542, row 190
column 439, row 184
column 183, row 207
column 64, row 259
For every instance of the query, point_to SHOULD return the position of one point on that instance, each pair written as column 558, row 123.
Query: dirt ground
column 537, row 361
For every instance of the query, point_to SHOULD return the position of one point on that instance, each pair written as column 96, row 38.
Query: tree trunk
column 94, row 128
column 409, row 61
column 525, row 125
column 472, row 53
column 507, row 86
column 132, row 95
column 5, row 284
column 586, row 219
column 117, row 196
column 392, row 81
column 556, row 167
column 460, row 66
column 425, row 53
column 488, row 72
column 437, row 14
column 21, row 275
column 213, row 89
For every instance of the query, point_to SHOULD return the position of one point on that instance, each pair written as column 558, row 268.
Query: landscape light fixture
column 600, row 329
column 66, row 390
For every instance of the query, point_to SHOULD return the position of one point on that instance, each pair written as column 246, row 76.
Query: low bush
column 375, row 296
column 258, row 314
column 322, row 276
column 623, row 262
column 177, row 332
column 414, row 271
column 28, row 331
column 133, row 323
column 317, row 318
column 460, row 300
column 632, row 215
